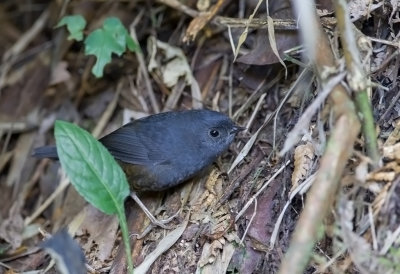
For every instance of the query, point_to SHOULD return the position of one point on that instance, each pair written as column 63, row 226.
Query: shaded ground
column 44, row 77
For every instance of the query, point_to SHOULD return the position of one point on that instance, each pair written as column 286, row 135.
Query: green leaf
column 102, row 43
column 132, row 46
column 91, row 168
column 75, row 25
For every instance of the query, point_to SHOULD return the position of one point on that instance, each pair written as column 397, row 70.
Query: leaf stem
column 368, row 126
column 125, row 238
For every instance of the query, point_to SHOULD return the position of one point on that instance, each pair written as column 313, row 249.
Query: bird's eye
column 214, row 133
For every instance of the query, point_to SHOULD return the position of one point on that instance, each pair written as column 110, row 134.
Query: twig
column 251, row 220
column 394, row 101
column 256, row 109
column 11, row 55
column 63, row 185
column 257, row 23
column 301, row 189
column 175, row 4
column 372, row 225
column 339, row 146
column 260, row 89
column 245, row 150
column 357, row 80
column 143, row 69
column 304, row 121
column 246, row 206
column 104, row 119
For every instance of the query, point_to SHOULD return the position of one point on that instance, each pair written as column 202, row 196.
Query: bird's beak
column 237, row 129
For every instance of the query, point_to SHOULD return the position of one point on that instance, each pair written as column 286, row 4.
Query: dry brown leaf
column 219, row 221
column 198, row 23
column 387, row 173
column 216, row 255
column 102, row 231
column 209, row 196
column 392, row 152
column 382, row 176
column 171, row 64
column 243, row 36
column 212, row 180
column 380, row 199
column 21, row 154
column 272, row 41
column 203, row 211
column 221, row 262
column 11, row 228
column 60, row 74
column 164, row 245
column 394, row 136
column 210, row 251
column 262, row 53
column 168, row 61
column 303, row 156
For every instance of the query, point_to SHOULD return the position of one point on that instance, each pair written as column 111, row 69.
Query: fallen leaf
column 60, row 74
column 303, row 161
column 11, row 229
column 171, row 64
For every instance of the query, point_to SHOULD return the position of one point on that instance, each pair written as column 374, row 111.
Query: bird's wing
column 129, row 146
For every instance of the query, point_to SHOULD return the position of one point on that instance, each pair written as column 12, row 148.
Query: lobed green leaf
column 75, row 25
column 102, row 43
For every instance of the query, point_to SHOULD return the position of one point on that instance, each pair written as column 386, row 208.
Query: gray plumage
column 167, row 148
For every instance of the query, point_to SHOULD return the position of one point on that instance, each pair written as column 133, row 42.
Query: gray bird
column 163, row 150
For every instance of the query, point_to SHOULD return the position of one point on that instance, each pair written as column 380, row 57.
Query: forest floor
column 311, row 185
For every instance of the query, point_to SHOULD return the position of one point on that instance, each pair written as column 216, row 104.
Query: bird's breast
column 161, row 176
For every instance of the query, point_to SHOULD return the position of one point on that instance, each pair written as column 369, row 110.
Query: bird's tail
column 45, row 152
